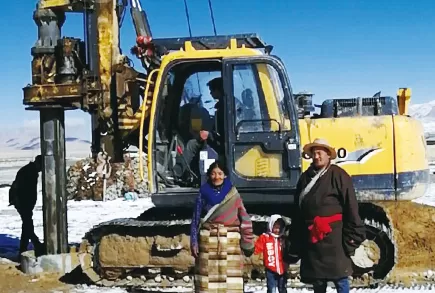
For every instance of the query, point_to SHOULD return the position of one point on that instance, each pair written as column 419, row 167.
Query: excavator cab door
column 262, row 134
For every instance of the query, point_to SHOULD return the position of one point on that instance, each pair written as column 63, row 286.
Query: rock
column 60, row 263
column 158, row 279
column 84, row 182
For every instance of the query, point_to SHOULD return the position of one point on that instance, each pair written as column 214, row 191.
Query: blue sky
column 340, row 48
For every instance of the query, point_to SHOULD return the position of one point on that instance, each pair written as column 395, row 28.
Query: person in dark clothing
column 326, row 229
column 213, row 138
column 23, row 195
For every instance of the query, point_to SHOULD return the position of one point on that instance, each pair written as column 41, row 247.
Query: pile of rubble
column 86, row 179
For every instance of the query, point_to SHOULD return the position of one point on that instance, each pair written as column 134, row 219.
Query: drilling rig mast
column 90, row 75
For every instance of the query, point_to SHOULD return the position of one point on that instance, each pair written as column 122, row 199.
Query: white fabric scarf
column 312, row 182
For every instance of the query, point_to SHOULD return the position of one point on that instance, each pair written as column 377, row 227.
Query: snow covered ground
column 386, row 289
column 83, row 215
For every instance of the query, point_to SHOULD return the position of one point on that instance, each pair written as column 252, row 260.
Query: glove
column 362, row 257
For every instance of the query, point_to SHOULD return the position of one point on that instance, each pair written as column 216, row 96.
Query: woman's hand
column 194, row 251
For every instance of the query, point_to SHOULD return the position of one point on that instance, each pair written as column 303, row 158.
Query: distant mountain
column 34, row 143
column 25, row 141
column 425, row 112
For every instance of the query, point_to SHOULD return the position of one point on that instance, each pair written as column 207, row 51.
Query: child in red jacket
column 271, row 245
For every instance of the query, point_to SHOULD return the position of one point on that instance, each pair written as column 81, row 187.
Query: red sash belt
column 320, row 227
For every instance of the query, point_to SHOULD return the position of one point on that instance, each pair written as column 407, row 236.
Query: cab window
column 258, row 99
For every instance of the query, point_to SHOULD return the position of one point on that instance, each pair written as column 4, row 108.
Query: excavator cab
column 259, row 135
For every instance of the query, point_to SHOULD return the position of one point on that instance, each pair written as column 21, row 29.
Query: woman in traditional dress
column 224, row 233
column 326, row 229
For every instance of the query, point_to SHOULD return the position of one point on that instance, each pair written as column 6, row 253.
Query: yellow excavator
column 265, row 128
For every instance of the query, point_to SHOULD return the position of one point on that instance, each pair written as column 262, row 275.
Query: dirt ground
column 13, row 280
column 414, row 229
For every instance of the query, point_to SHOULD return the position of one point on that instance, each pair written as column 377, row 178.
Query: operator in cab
column 214, row 138
column 326, row 229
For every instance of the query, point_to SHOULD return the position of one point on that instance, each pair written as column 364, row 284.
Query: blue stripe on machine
column 384, row 183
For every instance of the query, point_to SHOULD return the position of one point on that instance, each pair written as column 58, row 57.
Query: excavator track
column 410, row 226
column 165, row 277
column 149, row 252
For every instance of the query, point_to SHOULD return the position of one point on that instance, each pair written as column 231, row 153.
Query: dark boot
column 39, row 249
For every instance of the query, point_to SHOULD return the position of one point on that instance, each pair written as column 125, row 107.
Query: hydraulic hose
column 142, row 119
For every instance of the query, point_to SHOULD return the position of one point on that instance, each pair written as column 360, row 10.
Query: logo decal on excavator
column 356, row 157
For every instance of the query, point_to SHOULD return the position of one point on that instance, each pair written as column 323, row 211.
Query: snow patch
column 95, row 289
column 82, row 216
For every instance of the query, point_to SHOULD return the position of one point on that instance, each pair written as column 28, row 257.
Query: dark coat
column 216, row 137
column 24, row 193
column 329, row 258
